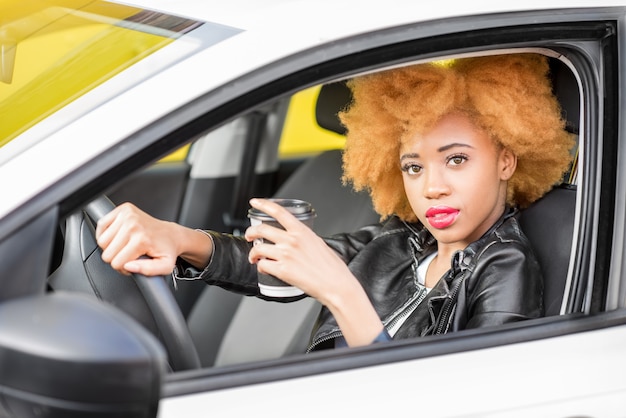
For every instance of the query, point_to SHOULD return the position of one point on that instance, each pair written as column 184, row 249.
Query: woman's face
column 455, row 179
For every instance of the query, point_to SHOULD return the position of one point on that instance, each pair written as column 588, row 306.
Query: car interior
column 210, row 190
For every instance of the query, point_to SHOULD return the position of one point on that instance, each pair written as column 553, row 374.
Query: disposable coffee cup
column 303, row 211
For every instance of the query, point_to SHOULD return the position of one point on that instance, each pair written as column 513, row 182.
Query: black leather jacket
column 493, row 281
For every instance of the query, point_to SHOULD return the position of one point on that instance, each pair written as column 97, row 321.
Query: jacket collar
column 422, row 242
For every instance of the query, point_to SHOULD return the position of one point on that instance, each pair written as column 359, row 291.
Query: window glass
column 179, row 155
column 54, row 52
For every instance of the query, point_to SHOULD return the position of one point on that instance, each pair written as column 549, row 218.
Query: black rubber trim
column 608, row 191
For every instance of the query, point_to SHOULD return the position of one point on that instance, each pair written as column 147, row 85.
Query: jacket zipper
column 455, row 290
column 333, row 334
column 417, row 299
column 459, row 261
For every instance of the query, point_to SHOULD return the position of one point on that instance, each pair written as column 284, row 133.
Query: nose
column 435, row 185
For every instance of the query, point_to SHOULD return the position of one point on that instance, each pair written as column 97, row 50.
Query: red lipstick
column 441, row 217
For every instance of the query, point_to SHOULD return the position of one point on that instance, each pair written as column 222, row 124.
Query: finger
column 150, row 266
column 109, row 226
column 277, row 269
column 115, row 237
column 282, row 215
column 121, row 252
column 121, row 242
column 106, row 221
column 112, row 243
column 106, row 229
column 271, row 267
column 265, row 232
column 269, row 251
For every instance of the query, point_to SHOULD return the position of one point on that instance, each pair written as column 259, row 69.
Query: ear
column 508, row 164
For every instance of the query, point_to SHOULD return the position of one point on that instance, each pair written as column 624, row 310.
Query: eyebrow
column 440, row 149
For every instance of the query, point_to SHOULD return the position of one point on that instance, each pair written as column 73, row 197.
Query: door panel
column 559, row 376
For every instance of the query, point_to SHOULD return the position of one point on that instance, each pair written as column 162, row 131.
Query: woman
column 448, row 152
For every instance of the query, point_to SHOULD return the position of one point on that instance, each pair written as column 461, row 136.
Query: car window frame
column 393, row 47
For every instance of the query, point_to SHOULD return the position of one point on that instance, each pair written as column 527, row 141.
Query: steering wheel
column 149, row 300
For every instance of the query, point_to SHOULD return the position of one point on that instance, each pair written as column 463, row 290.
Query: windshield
column 54, row 52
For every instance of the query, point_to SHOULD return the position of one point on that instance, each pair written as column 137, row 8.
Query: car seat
column 549, row 226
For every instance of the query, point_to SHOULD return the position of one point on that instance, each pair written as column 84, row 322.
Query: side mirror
column 67, row 355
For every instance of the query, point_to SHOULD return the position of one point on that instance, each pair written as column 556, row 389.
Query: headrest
column 333, row 98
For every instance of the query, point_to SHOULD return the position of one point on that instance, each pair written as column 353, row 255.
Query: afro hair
column 508, row 96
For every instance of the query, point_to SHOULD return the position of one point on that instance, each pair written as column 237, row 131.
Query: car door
column 570, row 364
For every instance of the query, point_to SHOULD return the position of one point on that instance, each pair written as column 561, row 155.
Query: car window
column 302, row 135
column 259, row 330
column 312, row 136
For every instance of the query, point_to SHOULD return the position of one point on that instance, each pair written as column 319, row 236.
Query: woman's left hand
column 297, row 256
column 301, row 258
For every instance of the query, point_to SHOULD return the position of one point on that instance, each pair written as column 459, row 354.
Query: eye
column 457, row 159
column 412, row 169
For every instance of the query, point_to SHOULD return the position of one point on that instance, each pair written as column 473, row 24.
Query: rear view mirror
column 68, row 355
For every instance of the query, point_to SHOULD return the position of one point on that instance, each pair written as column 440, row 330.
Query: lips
column 441, row 217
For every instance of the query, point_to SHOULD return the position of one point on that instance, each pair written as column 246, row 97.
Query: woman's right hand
column 127, row 233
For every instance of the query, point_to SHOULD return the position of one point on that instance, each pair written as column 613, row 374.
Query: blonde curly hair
column 508, row 96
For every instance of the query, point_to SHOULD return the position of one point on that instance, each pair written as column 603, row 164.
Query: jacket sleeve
column 508, row 286
column 348, row 245
column 229, row 267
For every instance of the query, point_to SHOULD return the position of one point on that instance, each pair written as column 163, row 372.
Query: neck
column 446, row 250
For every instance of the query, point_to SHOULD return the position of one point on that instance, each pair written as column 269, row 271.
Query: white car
column 95, row 94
